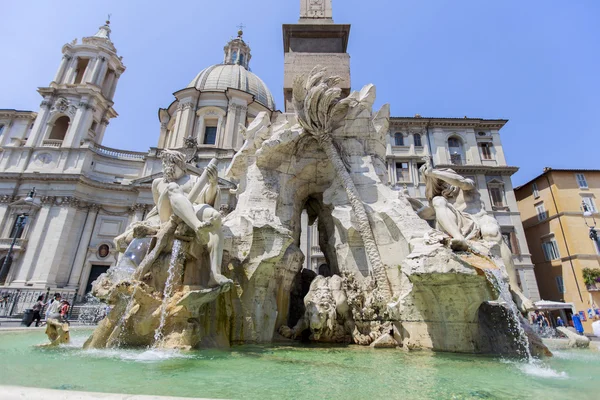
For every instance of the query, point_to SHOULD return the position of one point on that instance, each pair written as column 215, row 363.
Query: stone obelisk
column 315, row 40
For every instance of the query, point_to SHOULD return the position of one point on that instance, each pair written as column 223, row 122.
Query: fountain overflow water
column 494, row 276
column 168, row 291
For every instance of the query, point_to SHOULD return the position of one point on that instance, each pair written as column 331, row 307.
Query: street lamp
column 19, row 225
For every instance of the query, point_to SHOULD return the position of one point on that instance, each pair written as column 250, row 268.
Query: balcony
column 593, row 288
column 52, row 143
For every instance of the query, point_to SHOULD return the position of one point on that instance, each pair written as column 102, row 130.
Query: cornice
column 499, row 170
column 448, row 122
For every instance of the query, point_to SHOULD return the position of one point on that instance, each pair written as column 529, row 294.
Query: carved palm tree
column 319, row 109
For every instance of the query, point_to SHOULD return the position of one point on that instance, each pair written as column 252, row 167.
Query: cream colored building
column 558, row 234
column 86, row 193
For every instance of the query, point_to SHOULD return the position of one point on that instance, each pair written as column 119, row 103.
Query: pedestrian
column 53, row 311
column 4, row 297
column 37, row 310
column 64, row 311
column 559, row 321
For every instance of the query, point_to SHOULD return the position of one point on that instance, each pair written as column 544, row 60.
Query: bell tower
column 78, row 103
column 315, row 40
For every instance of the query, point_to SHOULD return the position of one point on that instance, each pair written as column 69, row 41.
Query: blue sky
column 534, row 62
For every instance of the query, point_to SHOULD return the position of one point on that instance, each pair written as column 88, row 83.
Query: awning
column 553, row 305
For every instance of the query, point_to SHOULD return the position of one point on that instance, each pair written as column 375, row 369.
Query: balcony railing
column 52, row 143
column 116, row 153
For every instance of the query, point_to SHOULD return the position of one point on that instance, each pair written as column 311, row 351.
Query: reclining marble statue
column 455, row 205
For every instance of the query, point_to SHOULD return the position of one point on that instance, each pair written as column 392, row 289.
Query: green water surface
column 295, row 372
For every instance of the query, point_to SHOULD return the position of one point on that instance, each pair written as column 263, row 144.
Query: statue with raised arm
column 193, row 199
column 456, row 206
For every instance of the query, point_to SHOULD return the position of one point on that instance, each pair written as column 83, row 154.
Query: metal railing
column 13, row 302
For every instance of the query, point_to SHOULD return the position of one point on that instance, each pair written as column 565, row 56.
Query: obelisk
column 315, row 40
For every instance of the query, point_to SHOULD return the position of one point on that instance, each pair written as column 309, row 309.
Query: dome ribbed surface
column 222, row 77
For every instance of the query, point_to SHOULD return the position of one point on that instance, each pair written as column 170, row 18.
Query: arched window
column 456, row 151
column 399, row 139
column 417, row 139
column 59, row 130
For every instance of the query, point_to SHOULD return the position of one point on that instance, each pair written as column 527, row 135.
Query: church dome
column 221, row 77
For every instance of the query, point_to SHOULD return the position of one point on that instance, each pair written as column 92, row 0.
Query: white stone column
column 70, row 74
column 89, row 70
column 304, row 236
column 185, row 114
column 84, row 244
column 113, row 87
column 163, row 135
column 61, row 69
column 99, row 63
column 35, row 135
column 99, row 80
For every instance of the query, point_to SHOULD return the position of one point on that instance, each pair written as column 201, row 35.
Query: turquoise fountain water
column 263, row 372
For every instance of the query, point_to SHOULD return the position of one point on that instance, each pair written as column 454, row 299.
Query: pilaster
column 82, row 249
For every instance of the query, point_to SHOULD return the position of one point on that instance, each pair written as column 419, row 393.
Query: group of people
column 541, row 320
column 56, row 308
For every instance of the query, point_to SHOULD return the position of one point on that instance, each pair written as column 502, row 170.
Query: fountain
column 197, row 297
column 190, row 278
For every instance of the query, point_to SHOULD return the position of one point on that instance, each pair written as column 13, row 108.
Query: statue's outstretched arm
column 453, row 178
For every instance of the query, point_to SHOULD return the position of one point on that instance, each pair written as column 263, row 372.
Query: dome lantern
column 237, row 52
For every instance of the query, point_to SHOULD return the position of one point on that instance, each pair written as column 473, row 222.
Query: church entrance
column 95, row 272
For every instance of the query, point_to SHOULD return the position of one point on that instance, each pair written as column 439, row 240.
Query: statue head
column 174, row 166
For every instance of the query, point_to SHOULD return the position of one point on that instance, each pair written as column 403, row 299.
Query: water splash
column 495, row 277
column 168, row 291
column 92, row 311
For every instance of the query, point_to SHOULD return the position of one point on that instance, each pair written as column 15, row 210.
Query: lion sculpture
column 331, row 307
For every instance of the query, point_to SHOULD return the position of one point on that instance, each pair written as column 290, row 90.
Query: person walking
column 37, row 310
column 64, row 311
column 53, row 310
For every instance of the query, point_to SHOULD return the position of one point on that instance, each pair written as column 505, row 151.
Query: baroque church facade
column 64, row 196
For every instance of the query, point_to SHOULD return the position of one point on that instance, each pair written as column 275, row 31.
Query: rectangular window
column 399, row 139
column 486, row 151
column 550, row 250
column 534, row 189
column 589, row 204
column 497, row 196
column 560, row 284
column 1, row 129
column 581, row 181
column 18, row 226
column 210, row 135
column 417, row 138
column 402, row 172
column 510, row 238
column 541, row 212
